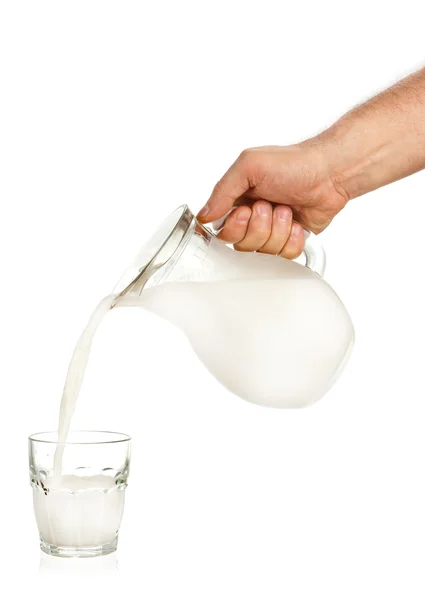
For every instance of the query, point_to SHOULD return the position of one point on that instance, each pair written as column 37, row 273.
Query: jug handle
column 315, row 257
column 314, row 253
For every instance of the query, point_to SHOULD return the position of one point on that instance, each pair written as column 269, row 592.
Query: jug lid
column 158, row 249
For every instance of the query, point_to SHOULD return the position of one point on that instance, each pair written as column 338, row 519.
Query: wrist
column 332, row 181
column 353, row 162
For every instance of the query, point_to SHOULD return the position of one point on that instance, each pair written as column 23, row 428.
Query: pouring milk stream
column 270, row 330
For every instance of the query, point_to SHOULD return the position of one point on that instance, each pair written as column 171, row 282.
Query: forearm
column 380, row 141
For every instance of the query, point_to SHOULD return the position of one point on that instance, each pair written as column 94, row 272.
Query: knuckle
column 290, row 253
column 240, row 248
column 226, row 236
column 246, row 152
column 251, row 163
column 246, row 156
column 261, row 240
column 263, row 233
column 265, row 250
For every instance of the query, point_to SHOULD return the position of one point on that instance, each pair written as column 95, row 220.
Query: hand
column 277, row 192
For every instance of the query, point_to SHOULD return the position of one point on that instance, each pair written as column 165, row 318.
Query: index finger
column 234, row 183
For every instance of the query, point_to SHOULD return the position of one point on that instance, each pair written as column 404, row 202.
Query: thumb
column 231, row 186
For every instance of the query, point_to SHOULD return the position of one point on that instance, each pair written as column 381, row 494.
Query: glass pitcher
column 269, row 329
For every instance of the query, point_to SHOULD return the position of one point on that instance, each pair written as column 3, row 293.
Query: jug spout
column 167, row 240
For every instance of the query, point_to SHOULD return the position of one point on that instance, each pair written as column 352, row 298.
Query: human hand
column 277, row 192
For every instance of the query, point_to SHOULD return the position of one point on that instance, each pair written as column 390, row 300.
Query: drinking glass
column 79, row 510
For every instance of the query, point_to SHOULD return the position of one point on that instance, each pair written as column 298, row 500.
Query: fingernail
column 262, row 210
column 295, row 232
column 283, row 213
column 203, row 213
column 243, row 216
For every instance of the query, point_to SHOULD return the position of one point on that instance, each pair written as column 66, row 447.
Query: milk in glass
column 82, row 512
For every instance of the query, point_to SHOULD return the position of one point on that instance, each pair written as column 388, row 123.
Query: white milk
column 86, row 511
column 276, row 342
column 278, row 337
column 74, row 379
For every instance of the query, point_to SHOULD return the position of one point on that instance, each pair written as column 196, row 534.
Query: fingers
column 281, row 229
column 259, row 228
column 264, row 230
column 295, row 244
column 238, row 180
column 236, row 224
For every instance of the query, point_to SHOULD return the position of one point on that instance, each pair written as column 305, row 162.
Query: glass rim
column 123, row 437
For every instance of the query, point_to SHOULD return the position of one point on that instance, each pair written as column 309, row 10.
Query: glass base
column 78, row 551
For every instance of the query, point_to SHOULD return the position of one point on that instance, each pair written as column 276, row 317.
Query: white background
column 112, row 114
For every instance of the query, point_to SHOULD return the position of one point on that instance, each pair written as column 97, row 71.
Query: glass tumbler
column 79, row 510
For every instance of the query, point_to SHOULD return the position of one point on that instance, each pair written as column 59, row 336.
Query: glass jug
column 271, row 330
